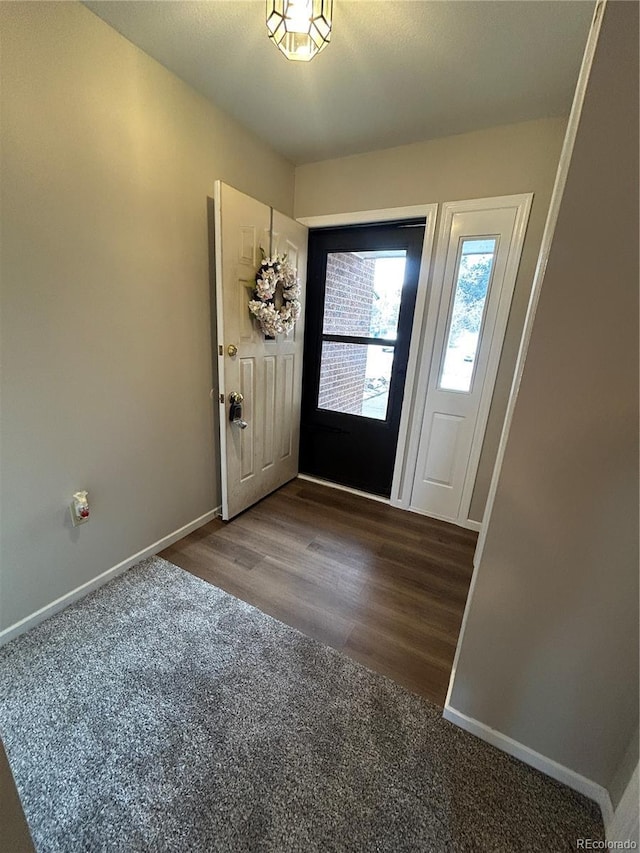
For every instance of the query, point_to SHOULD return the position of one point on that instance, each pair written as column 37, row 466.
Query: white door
column 267, row 373
column 477, row 261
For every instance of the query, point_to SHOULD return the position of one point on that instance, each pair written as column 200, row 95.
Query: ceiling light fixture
column 300, row 28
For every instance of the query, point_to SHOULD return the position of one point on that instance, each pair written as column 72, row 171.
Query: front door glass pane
column 363, row 292
column 355, row 379
column 472, row 286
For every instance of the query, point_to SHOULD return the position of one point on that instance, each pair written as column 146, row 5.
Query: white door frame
column 424, row 341
column 423, row 329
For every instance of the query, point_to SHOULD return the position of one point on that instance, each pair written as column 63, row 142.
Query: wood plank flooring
column 384, row 586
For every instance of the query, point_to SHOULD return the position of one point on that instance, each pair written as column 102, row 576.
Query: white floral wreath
column 276, row 297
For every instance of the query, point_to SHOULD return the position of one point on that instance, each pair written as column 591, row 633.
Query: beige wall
column 504, row 160
column 107, row 162
column 550, row 652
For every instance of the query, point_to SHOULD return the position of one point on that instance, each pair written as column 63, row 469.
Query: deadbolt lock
column 235, row 410
column 232, row 349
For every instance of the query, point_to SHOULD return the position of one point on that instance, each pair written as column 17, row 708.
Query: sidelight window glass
column 475, row 266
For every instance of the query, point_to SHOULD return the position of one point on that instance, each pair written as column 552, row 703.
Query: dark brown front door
column 361, row 293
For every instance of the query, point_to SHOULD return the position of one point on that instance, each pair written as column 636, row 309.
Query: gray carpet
column 161, row 714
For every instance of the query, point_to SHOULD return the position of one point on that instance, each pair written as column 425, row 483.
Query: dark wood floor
column 384, row 586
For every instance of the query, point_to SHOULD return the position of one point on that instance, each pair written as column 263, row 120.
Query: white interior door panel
column 267, row 373
column 476, row 263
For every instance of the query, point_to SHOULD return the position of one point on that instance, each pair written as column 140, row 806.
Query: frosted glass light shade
column 300, row 28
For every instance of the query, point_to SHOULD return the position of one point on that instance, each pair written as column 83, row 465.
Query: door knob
column 232, row 349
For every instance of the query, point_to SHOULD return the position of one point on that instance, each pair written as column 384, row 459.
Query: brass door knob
column 232, row 349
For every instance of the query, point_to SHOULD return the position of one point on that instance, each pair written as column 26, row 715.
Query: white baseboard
column 467, row 523
column 79, row 592
column 625, row 825
column 534, row 759
column 342, row 488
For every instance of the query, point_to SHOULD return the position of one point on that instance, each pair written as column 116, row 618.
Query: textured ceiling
column 396, row 71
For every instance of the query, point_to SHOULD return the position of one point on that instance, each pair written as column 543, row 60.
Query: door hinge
column 221, row 398
column 220, row 350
